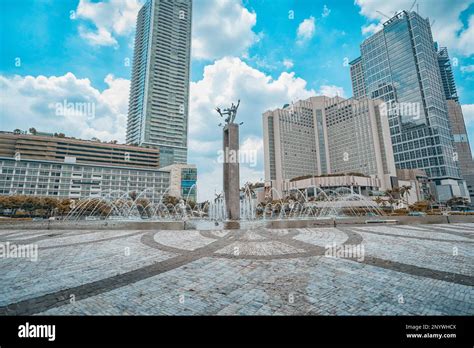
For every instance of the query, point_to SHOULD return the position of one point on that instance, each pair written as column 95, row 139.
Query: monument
column 231, row 162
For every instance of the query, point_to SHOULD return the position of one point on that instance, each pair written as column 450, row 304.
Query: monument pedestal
column 231, row 171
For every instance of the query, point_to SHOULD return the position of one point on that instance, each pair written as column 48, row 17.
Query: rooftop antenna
column 383, row 14
column 433, row 22
column 413, row 5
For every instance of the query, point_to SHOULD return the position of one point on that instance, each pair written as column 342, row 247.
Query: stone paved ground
column 400, row 270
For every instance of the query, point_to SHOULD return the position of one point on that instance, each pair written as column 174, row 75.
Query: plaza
column 405, row 270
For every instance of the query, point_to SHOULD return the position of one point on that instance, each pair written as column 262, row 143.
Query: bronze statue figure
column 231, row 113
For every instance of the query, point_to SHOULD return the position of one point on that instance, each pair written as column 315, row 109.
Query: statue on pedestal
column 231, row 113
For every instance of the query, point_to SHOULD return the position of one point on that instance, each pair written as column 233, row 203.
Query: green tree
column 457, row 201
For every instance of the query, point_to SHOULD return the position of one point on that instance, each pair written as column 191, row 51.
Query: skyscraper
column 399, row 65
column 322, row 135
column 456, row 120
column 159, row 93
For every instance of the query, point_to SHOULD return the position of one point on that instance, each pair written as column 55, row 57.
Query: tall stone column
column 231, row 171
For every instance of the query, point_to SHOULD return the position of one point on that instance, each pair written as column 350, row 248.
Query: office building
column 323, row 135
column 159, row 92
column 400, row 66
column 447, row 76
column 357, row 78
column 462, row 153
column 71, row 168
column 183, row 179
column 290, row 142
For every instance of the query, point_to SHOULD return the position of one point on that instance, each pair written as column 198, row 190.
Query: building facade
column 360, row 184
column 290, row 142
column 70, row 168
column 399, row 66
column 447, row 76
column 462, row 153
column 183, row 181
column 159, row 92
column 357, row 78
column 323, row 135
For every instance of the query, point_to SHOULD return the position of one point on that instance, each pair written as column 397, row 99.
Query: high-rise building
column 323, row 135
column 290, row 142
column 159, row 93
column 400, row 66
column 357, row 77
column 447, row 76
column 456, row 119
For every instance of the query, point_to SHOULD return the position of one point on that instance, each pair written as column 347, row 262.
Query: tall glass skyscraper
column 456, row 120
column 399, row 65
column 158, row 106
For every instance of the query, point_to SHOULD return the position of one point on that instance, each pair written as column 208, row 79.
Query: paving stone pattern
column 404, row 270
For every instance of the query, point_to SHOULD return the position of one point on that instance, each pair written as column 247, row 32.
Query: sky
column 266, row 53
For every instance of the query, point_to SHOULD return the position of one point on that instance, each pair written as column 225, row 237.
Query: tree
column 132, row 195
column 143, row 207
column 431, row 199
column 420, row 206
column 248, row 187
column 49, row 204
column 30, row 204
column 167, row 199
column 380, row 201
column 33, row 131
column 392, row 201
column 404, row 191
column 17, row 131
column 64, row 206
column 457, row 201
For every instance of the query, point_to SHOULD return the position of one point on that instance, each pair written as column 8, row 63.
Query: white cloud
column 100, row 38
column 371, row 28
column 224, row 82
column 468, row 113
column 332, row 91
column 222, row 28
column 33, row 102
column 326, row 11
column 467, row 69
column 306, row 30
column 448, row 28
column 288, row 63
column 111, row 19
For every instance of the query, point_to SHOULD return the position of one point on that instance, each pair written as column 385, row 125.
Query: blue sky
column 266, row 52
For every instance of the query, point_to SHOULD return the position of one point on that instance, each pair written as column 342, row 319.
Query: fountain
column 232, row 204
column 132, row 206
